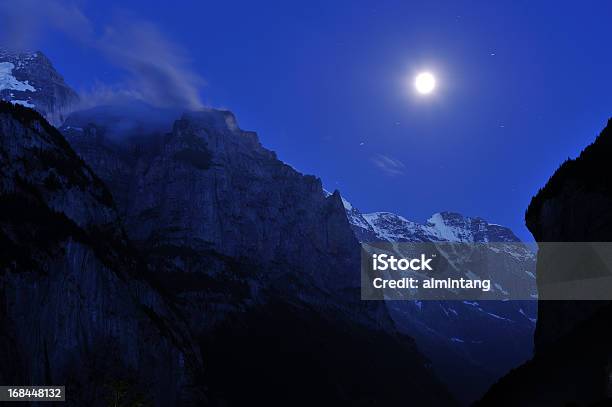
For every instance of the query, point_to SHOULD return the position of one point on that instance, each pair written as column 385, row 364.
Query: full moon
column 425, row 83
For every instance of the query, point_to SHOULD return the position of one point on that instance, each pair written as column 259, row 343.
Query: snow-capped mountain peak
column 29, row 79
column 461, row 331
column 441, row 226
column 454, row 227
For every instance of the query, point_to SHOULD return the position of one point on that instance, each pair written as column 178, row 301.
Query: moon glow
column 425, row 83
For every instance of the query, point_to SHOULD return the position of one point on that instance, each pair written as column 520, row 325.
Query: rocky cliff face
column 261, row 264
column 211, row 187
column 76, row 305
column 572, row 359
column 461, row 333
column 29, row 79
column 574, row 206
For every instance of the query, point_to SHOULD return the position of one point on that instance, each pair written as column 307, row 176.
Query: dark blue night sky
column 328, row 86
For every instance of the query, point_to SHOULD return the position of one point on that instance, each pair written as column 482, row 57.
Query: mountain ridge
column 445, row 226
column 207, row 289
column 460, row 333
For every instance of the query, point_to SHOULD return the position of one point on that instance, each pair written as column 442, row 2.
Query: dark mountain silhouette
column 572, row 361
column 78, row 306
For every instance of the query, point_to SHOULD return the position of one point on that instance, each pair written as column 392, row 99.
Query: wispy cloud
column 157, row 70
column 390, row 166
column 25, row 23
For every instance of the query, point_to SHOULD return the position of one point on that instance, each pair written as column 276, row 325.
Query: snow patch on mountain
column 25, row 103
column 533, row 320
column 8, row 81
column 438, row 227
column 347, row 204
column 391, row 227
